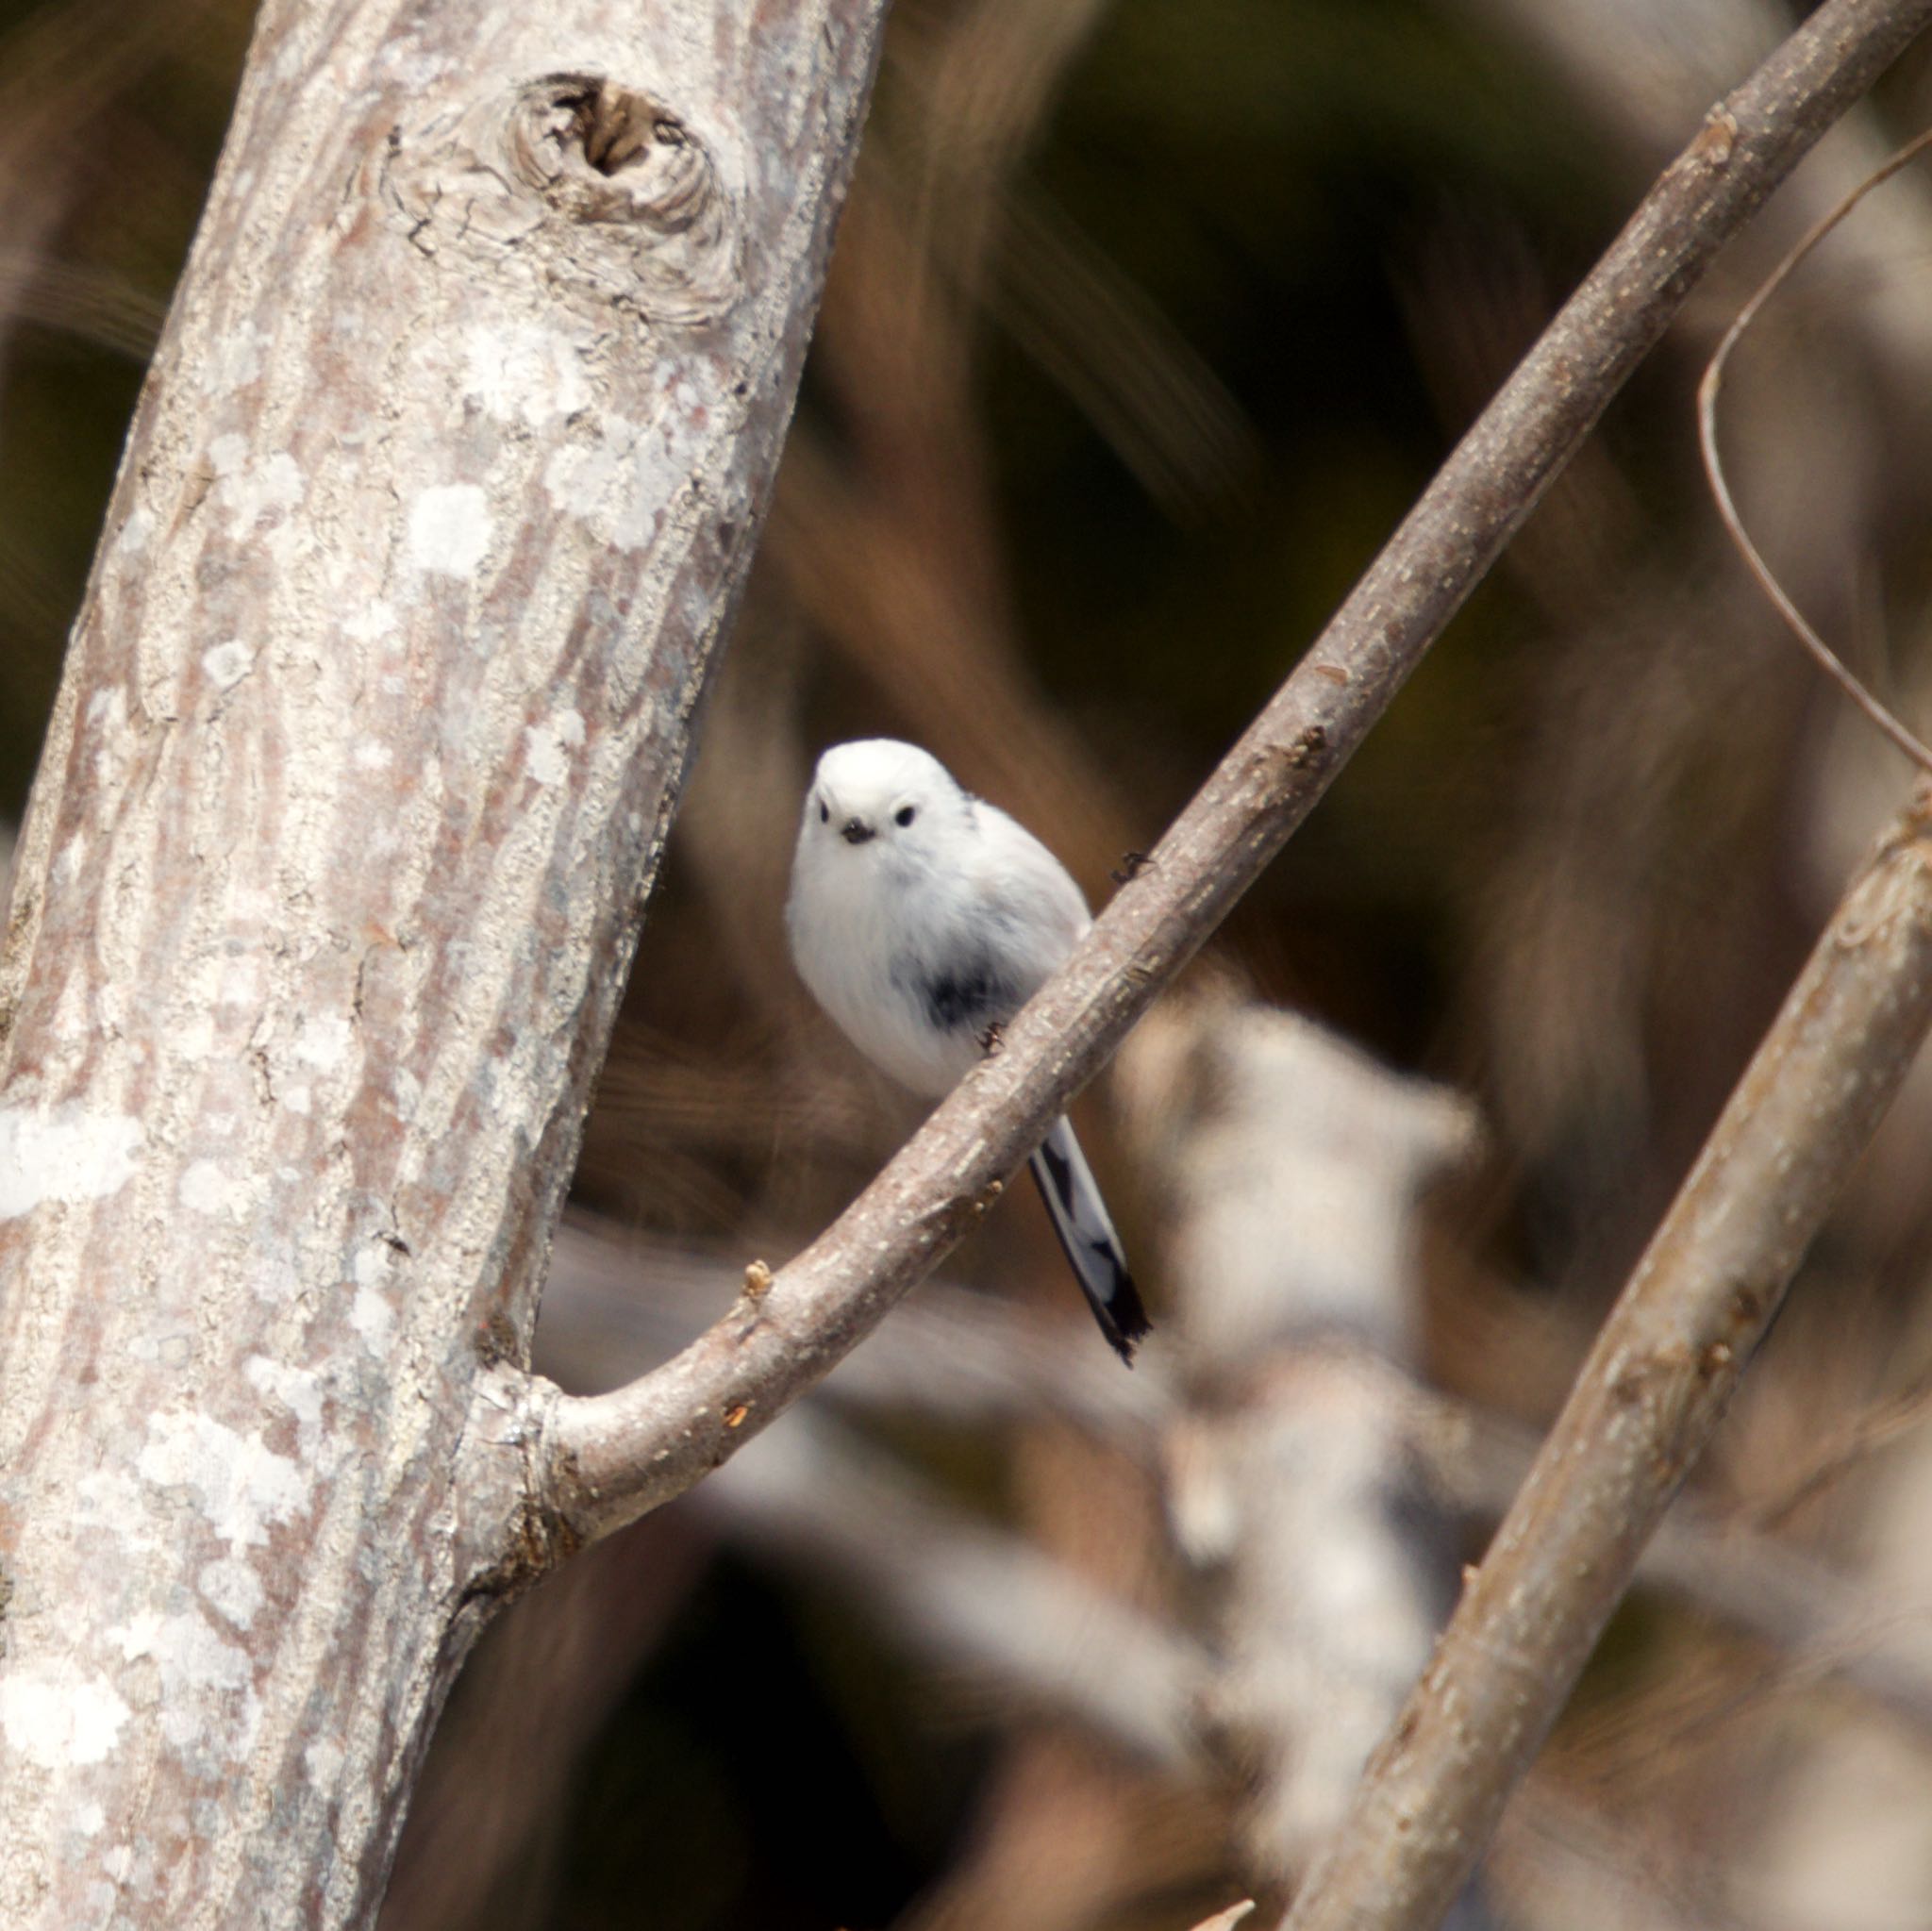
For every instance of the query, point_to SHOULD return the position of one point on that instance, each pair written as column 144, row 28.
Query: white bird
column 923, row 918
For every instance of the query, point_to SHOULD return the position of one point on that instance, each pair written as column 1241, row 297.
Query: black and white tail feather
column 1092, row 1248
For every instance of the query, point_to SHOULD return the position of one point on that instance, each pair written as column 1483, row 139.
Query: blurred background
column 1146, row 326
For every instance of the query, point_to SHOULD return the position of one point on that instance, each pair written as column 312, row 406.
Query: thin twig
column 604, row 1460
column 1871, row 1430
column 1827, row 660
column 1653, row 1388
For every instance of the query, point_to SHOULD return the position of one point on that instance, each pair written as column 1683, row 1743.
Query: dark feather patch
column 1062, row 1174
column 968, row 999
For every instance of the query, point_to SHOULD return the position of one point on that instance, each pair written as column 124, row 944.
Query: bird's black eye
column 825, row 812
column 905, row 815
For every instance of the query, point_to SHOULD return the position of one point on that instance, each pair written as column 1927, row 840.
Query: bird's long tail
column 1079, row 1218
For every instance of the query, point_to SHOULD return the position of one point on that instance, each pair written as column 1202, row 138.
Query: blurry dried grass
column 63, row 65
column 1646, row 69
column 91, row 305
column 1659, row 784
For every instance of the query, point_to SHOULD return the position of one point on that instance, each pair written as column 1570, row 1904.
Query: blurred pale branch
column 617, row 1305
column 981, row 1601
column 608, row 1458
column 1294, row 1171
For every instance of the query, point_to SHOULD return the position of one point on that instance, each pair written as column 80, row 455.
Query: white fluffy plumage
column 922, row 917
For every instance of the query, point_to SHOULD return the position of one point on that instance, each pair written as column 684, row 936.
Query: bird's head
column 878, row 795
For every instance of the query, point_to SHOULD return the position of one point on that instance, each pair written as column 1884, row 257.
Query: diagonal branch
column 1655, row 1385
column 602, row 1461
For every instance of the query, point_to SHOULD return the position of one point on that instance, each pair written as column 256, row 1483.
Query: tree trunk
column 444, row 479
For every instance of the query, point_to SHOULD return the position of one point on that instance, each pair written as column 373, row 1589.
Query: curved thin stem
column 1827, row 660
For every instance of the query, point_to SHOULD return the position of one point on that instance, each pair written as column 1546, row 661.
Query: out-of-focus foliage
column 1146, row 324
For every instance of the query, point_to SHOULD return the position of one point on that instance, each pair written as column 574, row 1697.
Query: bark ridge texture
column 443, row 479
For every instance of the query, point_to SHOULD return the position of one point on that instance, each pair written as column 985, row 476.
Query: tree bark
column 446, row 476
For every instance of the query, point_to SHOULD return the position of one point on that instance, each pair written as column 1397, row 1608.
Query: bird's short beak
column 855, row 831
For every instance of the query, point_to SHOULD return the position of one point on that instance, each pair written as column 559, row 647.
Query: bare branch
column 1649, row 1395
column 608, row 1458
column 1821, row 1621
column 615, row 1306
